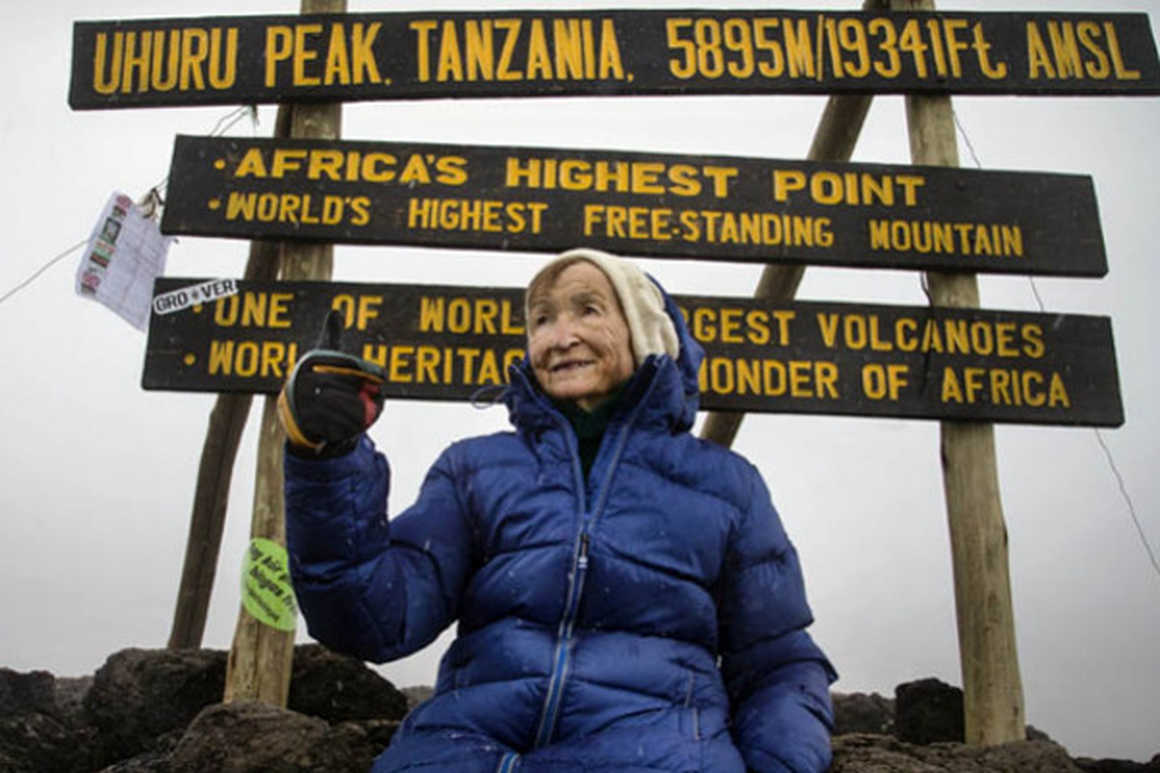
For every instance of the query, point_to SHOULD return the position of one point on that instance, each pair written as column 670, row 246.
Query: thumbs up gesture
column 331, row 397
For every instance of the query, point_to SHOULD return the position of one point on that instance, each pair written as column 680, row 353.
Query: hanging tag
column 124, row 254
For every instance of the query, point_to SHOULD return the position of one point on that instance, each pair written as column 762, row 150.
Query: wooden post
column 261, row 657
column 834, row 140
column 992, row 690
column 227, row 419
column 214, row 472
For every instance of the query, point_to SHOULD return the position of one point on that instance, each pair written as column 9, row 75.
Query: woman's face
column 578, row 339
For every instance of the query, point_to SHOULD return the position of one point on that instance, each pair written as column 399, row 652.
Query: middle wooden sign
column 648, row 204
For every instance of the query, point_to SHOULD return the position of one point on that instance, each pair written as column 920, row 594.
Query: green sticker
column 266, row 590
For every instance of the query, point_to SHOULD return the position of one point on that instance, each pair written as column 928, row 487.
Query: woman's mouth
column 569, row 365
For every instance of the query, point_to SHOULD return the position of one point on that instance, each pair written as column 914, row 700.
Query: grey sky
column 97, row 476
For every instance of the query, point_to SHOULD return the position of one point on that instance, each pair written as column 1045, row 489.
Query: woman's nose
column 563, row 334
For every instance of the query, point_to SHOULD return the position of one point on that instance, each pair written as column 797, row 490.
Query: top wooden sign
column 350, row 57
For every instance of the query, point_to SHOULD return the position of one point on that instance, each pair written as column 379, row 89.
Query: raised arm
column 369, row 588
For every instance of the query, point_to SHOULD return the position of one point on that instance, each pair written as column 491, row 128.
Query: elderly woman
column 627, row 598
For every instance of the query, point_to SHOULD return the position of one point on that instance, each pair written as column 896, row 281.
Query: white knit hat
column 651, row 330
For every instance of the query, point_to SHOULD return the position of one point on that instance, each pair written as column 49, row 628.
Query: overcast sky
column 97, row 475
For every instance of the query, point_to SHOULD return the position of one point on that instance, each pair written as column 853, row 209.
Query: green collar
column 589, row 427
column 590, row 424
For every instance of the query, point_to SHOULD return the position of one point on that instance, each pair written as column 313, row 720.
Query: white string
column 1099, row 436
column 42, row 269
column 224, row 124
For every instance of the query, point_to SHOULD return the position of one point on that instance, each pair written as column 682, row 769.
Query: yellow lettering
column 951, row 392
column 422, row 49
column 757, row 327
column 101, row 84
column 450, row 63
column 337, row 60
column 610, row 65
column 286, row 160
column 480, row 51
column 431, row 314
column 279, row 316
column 731, row 325
column 194, row 51
column 511, row 28
column 828, row 325
column 1038, row 61
column 252, row 163
column 427, row 359
column 1033, row 345
column 302, row 55
column 783, row 319
column 539, row 60
column 400, row 363
column 366, row 69
column 1122, row 72
column 1088, row 31
column 279, row 46
column 1058, row 394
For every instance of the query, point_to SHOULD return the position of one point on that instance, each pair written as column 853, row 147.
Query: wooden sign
column 448, row 343
column 232, row 60
column 680, row 206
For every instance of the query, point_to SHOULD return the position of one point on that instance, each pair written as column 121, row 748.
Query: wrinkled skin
column 578, row 339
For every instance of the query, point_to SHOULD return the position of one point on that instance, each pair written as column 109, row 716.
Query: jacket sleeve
column 777, row 677
column 369, row 588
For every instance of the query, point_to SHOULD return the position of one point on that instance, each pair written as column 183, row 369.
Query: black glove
column 330, row 398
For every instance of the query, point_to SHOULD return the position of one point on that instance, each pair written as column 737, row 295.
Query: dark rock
column 1014, row 757
column 863, row 753
column 339, row 688
column 928, row 711
column 861, row 713
column 1035, row 734
column 159, row 711
column 149, row 762
column 22, row 693
column 379, row 732
column 34, row 742
column 139, row 698
column 70, row 695
column 416, row 695
column 250, row 737
column 139, row 695
column 34, row 734
column 217, row 740
column 156, row 760
column 365, row 740
column 1089, row 765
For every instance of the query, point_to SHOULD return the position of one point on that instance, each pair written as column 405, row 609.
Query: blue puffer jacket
column 648, row 618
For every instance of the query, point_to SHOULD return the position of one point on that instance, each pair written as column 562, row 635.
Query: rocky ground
column 159, row 711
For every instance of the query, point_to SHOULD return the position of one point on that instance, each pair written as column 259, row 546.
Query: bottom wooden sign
column 440, row 342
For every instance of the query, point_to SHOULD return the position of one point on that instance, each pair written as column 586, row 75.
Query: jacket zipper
column 571, row 604
column 563, row 651
column 508, row 763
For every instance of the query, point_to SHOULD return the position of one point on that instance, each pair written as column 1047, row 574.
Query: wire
column 1099, row 435
column 42, row 269
column 966, row 139
column 979, row 165
column 233, row 117
column 1128, row 499
column 224, row 124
